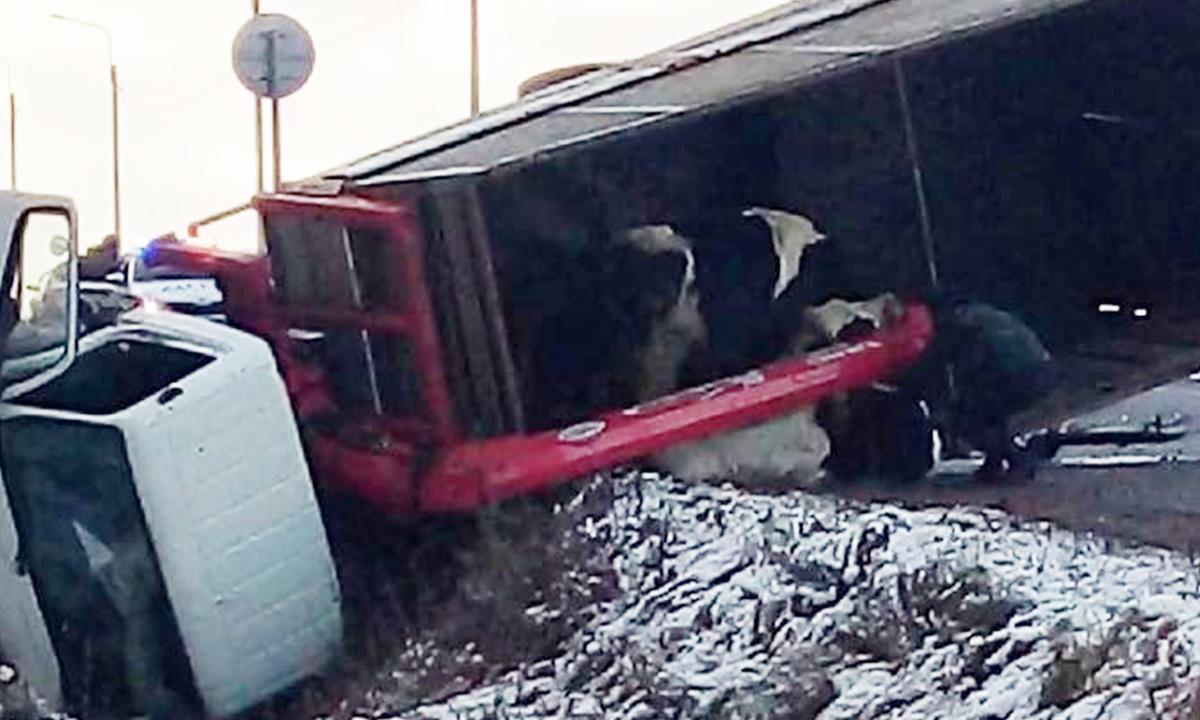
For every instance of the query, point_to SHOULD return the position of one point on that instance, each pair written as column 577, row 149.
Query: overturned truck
column 457, row 323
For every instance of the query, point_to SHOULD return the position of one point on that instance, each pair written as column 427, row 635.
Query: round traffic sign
column 273, row 55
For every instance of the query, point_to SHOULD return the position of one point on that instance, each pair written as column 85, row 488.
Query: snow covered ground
column 736, row 605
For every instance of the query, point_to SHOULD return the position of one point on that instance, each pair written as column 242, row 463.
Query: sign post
column 273, row 57
column 258, row 127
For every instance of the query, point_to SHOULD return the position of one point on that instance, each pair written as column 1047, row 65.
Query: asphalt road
column 1146, row 492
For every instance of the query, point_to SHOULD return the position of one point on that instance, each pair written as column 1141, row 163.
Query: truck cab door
column 39, row 321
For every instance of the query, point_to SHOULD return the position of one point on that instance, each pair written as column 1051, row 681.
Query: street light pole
column 474, row 57
column 12, row 125
column 112, row 73
column 116, row 143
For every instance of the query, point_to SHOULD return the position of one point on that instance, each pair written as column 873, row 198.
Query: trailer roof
column 793, row 44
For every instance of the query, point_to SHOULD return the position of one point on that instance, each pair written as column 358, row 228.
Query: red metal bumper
column 473, row 474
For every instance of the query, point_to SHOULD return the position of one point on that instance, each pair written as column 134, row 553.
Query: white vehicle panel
column 229, row 505
column 24, row 641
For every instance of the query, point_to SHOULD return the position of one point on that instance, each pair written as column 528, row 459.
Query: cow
column 662, row 306
column 790, row 450
column 671, row 297
column 634, row 323
column 660, row 309
column 881, row 431
column 657, row 267
column 745, row 261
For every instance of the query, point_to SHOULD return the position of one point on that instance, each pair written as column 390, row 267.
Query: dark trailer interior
column 1042, row 156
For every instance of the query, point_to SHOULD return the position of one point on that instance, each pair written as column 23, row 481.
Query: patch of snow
column 737, row 605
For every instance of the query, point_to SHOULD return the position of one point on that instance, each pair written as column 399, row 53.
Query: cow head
column 650, row 279
column 838, row 319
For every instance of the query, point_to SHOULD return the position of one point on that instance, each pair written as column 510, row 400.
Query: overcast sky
column 385, row 71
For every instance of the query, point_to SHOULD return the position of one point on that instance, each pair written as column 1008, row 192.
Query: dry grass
column 446, row 605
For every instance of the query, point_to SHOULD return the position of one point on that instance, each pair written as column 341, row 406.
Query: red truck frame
column 421, row 461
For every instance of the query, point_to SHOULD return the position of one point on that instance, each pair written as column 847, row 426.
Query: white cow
column 788, row 450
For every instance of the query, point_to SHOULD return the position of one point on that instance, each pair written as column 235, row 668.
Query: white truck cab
column 161, row 549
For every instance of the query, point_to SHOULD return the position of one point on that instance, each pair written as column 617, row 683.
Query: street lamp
column 474, row 57
column 12, row 125
column 112, row 72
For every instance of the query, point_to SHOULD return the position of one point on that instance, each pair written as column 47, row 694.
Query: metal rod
column 914, row 160
column 258, row 127
column 364, row 335
column 12, row 138
column 949, row 375
column 116, row 134
column 277, row 155
column 474, row 57
column 258, row 156
column 220, row 215
column 115, row 126
column 258, row 140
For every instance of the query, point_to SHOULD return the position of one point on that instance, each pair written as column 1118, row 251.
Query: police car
column 165, row 286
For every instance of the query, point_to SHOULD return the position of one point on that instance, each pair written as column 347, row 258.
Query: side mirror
column 40, row 305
